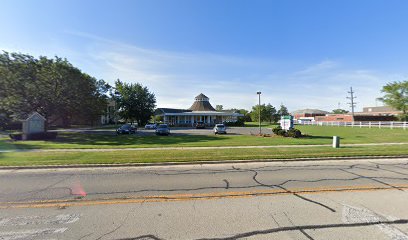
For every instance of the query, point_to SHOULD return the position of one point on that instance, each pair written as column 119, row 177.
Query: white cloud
column 176, row 78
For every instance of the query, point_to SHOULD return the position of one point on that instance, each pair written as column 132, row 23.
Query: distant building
column 383, row 113
column 304, row 115
column 200, row 111
column 110, row 115
column 380, row 111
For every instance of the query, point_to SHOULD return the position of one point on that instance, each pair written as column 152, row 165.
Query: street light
column 259, row 111
column 115, row 110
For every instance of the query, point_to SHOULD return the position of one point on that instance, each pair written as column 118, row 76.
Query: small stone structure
column 34, row 123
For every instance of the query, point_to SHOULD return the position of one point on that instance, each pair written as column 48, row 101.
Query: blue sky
column 304, row 54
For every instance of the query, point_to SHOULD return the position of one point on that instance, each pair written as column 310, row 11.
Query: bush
column 35, row 136
column 294, row 133
column 238, row 123
column 276, row 129
column 16, row 137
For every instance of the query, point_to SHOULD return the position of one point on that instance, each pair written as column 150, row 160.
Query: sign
column 286, row 122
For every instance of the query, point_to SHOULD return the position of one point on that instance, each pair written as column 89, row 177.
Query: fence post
column 352, row 124
column 379, row 124
column 405, row 125
column 369, row 124
column 392, row 125
column 360, row 124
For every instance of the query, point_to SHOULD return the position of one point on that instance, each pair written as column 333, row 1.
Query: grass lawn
column 155, row 156
column 316, row 135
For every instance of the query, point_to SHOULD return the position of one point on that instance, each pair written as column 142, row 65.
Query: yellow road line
column 189, row 197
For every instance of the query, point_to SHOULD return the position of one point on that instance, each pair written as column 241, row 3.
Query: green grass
column 316, row 135
column 156, row 156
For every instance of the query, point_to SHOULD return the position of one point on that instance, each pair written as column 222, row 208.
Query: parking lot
column 208, row 131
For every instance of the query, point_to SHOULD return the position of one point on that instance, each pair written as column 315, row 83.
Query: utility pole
column 259, row 111
column 352, row 103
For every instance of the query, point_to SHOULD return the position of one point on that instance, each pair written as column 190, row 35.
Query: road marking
column 357, row 215
column 189, row 197
column 29, row 234
column 36, row 220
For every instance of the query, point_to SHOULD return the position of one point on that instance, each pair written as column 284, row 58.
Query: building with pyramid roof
column 200, row 111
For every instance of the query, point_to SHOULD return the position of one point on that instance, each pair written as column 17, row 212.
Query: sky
column 303, row 54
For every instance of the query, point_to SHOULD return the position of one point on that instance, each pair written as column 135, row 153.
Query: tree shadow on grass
column 112, row 140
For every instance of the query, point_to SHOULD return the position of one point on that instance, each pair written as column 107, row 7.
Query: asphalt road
column 358, row 199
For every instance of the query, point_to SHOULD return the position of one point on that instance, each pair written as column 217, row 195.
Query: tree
column 218, row 107
column 396, row 96
column 135, row 102
column 283, row 111
column 339, row 111
column 52, row 87
column 255, row 113
column 270, row 113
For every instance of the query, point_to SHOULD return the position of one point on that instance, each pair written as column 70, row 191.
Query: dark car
column 163, row 129
column 126, row 129
column 200, row 125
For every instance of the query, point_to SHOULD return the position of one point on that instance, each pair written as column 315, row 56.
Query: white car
column 151, row 126
column 220, row 128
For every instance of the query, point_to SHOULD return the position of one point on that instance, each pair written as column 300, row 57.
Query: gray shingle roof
column 201, row 96
column 309, row 111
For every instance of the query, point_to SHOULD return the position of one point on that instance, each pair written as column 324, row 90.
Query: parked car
column 200, row 125
column 151, row 126
column 163, row 129
column 126, row 129
column 220, row 129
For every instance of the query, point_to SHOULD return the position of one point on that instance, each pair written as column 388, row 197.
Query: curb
column 197, row 162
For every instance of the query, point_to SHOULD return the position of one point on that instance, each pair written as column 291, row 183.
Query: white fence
column 391, row 125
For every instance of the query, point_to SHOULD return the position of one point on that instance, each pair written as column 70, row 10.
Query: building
column 110, row 115
column 304, row 115
column 200, row 111
column 380, row 111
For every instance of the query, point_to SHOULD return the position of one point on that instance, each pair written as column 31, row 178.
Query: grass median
column 315, row 135
column 159, row 156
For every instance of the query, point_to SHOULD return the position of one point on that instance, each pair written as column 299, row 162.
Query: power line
column 352, row 103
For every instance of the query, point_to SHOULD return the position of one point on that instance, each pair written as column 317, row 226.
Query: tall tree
column 283, row 111
column 135, row 102
column 271, row 113
column 396, row 96
column 255, row 113
column 219, row 107
column 339, row 111
column 52, row 87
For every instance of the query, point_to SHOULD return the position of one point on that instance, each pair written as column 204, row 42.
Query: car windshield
column 162, row 126
column 127, row 126
column 220, row 125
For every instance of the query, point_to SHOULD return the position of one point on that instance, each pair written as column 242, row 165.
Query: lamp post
column 115, row 110
column 259, row 111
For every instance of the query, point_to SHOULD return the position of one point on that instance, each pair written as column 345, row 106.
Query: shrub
column 238, row 123
column 35, row 136
column 16, row 137
column 276, row 129
column 281, row 132
column 294, row 133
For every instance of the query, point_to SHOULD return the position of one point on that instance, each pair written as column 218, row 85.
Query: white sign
column 286, row 122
